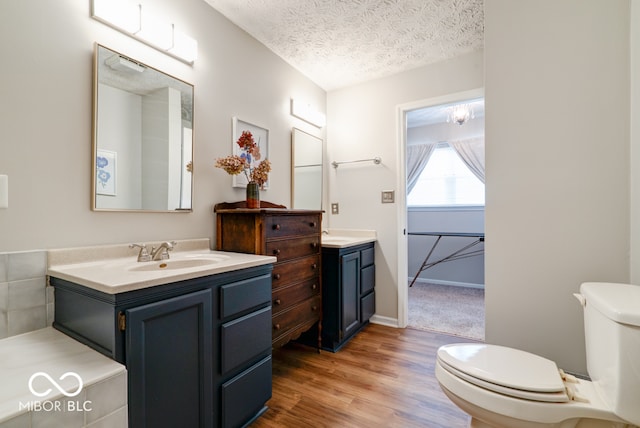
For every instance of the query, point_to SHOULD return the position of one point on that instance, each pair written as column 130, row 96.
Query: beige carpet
column 447, row 309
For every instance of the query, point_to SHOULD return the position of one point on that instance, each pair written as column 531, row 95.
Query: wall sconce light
column 307, row 113
column 127, row 17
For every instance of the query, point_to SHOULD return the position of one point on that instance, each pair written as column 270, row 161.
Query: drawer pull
column 276, row 227
column 314, row 308
column 276, row 251
column 276, row 276
column 314, row 286
column 277, row 326
column 314, row 245
column 314, row 266
column 313, row 224
column 277, row 301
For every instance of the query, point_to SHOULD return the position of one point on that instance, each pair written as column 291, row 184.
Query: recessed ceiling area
column 338, row 43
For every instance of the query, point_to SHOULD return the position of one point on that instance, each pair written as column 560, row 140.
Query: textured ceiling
column 337, row 43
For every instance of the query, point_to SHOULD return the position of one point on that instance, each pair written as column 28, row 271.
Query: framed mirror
column 142, row 137
column 306, row 174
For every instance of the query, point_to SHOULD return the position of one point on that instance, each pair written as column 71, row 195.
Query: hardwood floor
column 384, row 377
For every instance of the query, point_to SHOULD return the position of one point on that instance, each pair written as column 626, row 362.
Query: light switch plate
column 388, row 196
column 334, row 208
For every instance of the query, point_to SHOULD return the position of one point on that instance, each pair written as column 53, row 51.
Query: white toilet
column 507, row 388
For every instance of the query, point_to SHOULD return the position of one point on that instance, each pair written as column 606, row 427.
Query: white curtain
column 417, row 157
column 472, row 154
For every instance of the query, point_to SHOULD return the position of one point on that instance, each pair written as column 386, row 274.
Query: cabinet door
column 169, row 354
column 350, row 293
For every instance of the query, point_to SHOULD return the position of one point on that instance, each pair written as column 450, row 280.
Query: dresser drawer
column 285, row 225
column 305, row 312
column 285, row 297
column 294, row 271
column 286, row 249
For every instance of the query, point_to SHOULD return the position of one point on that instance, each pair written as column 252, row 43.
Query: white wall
column 361, row 124
column 45, row 117
column 557, row 163
column 635, row 141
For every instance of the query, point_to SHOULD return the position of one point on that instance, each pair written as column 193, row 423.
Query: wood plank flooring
column 384, row 377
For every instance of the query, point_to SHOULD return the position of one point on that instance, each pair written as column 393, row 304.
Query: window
column 446, row 181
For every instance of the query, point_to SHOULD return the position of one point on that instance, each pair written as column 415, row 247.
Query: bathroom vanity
column 348, row 286
column 348, row 292
column 196, row 342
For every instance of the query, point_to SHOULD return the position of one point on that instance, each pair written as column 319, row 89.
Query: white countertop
column 108, row 271
column 48, row 351
column 344, row 238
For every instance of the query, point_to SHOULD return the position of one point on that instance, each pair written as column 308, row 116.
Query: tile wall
column 26, row 303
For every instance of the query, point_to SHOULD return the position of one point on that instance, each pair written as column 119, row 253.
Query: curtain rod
column 377, row 160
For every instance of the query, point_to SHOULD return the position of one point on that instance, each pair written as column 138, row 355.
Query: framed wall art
column 261, row 138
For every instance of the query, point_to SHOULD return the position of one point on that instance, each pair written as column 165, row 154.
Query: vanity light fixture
column 307, row 113
column 121, row 63
column 127, row 17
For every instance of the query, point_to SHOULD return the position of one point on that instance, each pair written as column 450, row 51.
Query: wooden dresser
column 293, row 236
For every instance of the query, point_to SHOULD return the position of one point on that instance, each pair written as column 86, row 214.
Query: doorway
column 442, row 143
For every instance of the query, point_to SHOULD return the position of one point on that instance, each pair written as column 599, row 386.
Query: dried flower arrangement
column 246, row 161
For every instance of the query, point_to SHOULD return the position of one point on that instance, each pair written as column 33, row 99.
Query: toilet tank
column 612, row 336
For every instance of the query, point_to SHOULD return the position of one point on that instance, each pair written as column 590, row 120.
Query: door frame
column 401, row 145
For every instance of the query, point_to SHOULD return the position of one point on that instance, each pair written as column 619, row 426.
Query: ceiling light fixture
column 460, row 114
column 127, row 17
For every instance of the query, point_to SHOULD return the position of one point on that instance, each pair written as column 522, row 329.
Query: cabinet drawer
column 296, row 270
column 284, row 225
column 244, row 395
column 367, row 307
column 285, row 297
column 241, row 296
column 286, row 249
column 300, row 314
column 367, row 257
column 244, row 339
column 367, row 279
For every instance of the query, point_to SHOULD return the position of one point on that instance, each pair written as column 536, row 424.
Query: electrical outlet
column 388, row 196
column 334, row 208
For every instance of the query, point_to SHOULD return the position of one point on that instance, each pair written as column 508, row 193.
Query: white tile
column 4, row 260
column 4, row 329
column 27, row 293
column 106, row 396
column 51, row 295
column 22, row 421
column 51, row 314
column 4, row 296
column 26, row 320
column 27, row 264
column 66, row 416
column 117, row 419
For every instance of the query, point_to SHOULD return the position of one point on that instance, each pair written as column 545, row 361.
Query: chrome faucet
column 162, row 252
column 143, row 255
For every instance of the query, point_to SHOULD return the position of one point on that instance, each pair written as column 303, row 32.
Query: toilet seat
column 507, row 371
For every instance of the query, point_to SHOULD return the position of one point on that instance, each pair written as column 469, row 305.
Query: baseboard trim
column 443, row 282
column 386, row 321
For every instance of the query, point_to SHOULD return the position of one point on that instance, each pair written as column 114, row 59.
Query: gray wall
column 45, row 118
column 467, row 272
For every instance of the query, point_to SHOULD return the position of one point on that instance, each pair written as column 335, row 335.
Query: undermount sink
column 186, row 263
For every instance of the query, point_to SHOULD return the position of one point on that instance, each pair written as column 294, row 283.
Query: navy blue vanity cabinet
column 197, row 352
column 348, row 292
